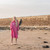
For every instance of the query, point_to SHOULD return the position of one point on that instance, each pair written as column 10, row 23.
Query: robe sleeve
column 11, row 26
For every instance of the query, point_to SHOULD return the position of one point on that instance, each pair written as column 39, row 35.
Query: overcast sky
column 24, row 7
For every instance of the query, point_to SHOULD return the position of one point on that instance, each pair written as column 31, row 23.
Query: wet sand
column 27, row 40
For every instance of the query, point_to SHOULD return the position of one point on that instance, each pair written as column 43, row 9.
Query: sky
column 19, row 8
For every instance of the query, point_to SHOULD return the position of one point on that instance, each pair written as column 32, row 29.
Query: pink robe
column 14, row 29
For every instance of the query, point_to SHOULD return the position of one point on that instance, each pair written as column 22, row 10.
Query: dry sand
column 27, row 40
column 43, row 20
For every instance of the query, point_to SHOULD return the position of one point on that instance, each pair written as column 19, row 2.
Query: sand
column 27, row 40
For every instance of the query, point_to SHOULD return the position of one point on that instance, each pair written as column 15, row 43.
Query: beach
column 26, row 22
column 27, row 40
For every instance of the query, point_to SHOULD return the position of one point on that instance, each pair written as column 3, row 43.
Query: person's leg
column 15, row 40
column 11, row 40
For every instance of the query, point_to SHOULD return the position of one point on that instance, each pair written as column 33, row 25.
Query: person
column 14, row 27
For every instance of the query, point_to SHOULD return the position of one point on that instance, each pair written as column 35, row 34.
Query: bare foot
column 11, row 44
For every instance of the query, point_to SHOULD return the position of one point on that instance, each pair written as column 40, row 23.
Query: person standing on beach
column 14, row 27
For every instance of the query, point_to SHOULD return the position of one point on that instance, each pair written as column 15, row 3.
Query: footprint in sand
column 19, row 47
column 39, row 37
column 45, row 33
